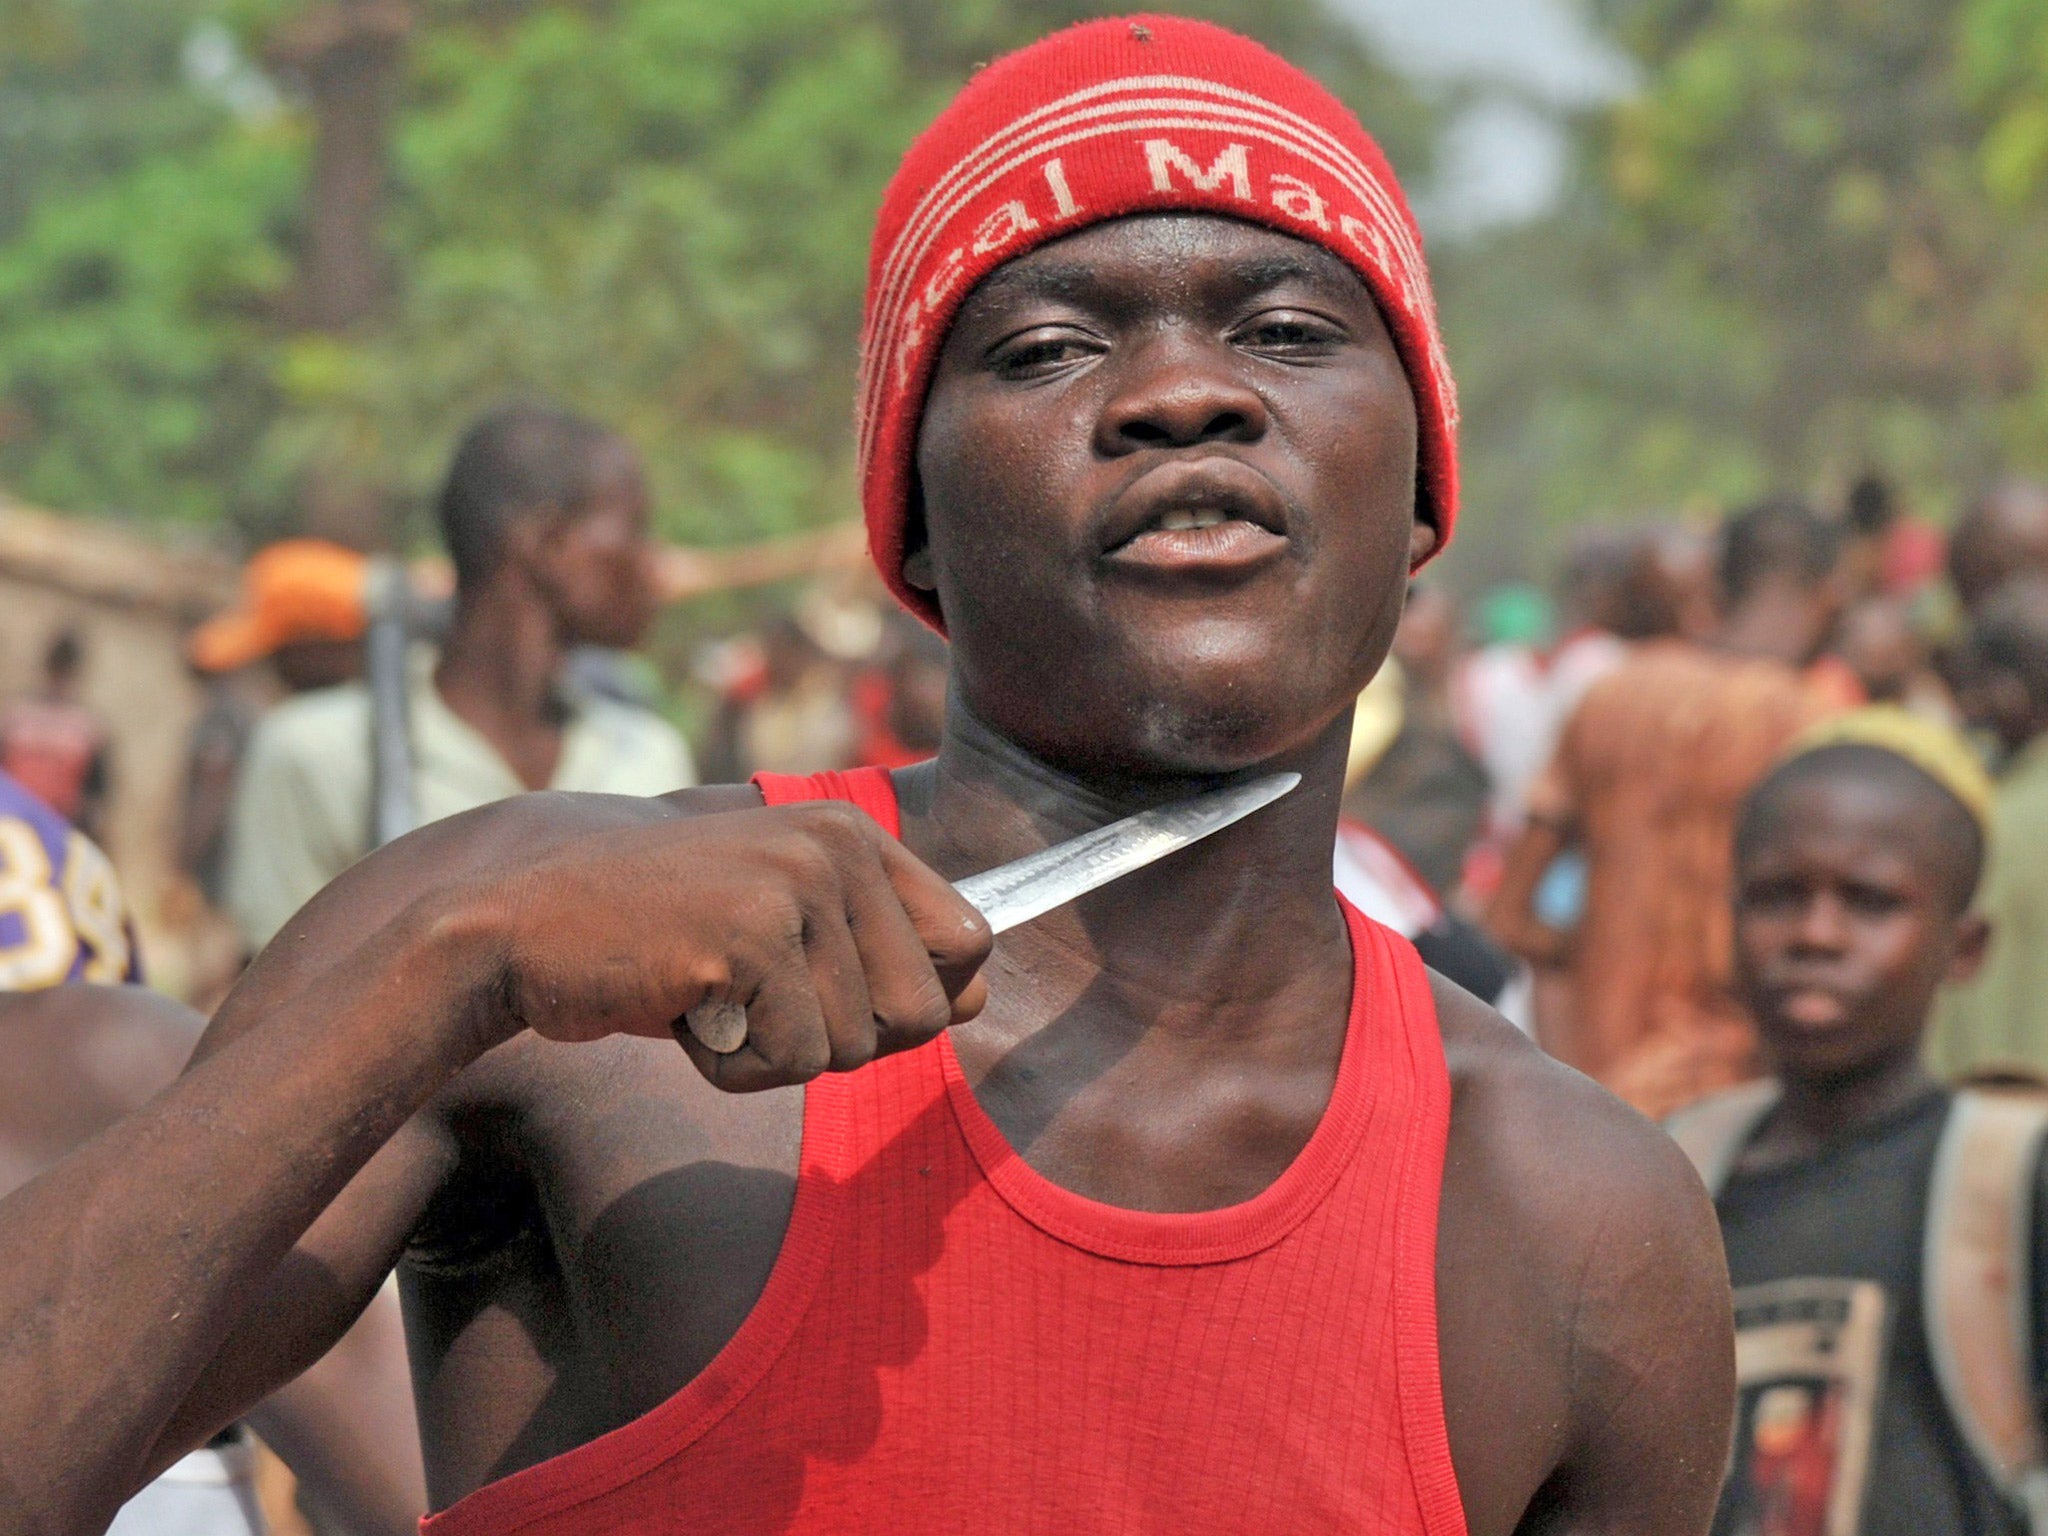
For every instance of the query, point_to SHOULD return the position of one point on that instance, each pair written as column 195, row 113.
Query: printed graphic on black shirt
column 1809, row 1362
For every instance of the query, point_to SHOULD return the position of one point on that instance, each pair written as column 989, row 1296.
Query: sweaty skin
column 584, row 1225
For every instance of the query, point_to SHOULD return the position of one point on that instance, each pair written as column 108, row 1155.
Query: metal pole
column 394, row 811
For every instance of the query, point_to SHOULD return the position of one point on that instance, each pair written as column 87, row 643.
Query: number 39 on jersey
column 61, row 913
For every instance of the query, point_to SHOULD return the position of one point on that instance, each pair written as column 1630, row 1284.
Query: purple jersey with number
column 62, row 917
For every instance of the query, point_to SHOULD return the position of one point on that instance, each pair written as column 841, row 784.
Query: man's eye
column 1031, row 356
column 1292, row 334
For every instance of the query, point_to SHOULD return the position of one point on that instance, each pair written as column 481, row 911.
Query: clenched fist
column 840, row 944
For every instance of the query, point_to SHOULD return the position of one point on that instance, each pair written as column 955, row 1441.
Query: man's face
column 1845, row 928
column 2006, row 536
column 303, row 665
column 1876, row 638
column 1168, row 479
column 1995, row 698
column 596, row 562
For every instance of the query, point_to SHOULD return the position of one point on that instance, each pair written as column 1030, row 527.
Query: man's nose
column 1180, row 394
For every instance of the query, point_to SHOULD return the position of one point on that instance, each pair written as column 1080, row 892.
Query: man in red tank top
column 1212, row 1210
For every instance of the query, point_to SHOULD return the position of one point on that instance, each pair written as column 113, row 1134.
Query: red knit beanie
column 1113, row 117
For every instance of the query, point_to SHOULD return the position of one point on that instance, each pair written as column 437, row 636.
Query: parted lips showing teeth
column 1188, row 496
column 1178, row 519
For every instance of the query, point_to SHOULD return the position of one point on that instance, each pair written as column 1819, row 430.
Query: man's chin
column 1173, row 709
column 1205, row 732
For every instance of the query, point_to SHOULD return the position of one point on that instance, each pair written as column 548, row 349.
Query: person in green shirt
column 2001, row 1019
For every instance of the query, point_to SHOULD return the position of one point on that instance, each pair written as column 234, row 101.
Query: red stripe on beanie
column 1108, row 118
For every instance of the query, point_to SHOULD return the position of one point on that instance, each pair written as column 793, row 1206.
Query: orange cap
column 301, row 589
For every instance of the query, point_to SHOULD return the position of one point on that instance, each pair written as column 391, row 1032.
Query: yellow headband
column 1934, row 749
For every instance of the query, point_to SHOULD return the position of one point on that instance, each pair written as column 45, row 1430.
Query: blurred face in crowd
column 2002, row 672
column 1595, row 581
column 595, row 563
column 1668, row 588
column 1849, row 917
column 2004, row 535
column 1877, row 640
column 1170, row 461
column 307, row 664
column 1997, row 699
column 1427, row 640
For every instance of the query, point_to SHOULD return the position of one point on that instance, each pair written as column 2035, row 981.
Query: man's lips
column 1212, row 515
column 1232, row 545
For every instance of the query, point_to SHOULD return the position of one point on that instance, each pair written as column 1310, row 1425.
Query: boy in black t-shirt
column 1856, row 864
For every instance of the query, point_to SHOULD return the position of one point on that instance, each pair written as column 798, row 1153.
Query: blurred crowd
column 1566, row 766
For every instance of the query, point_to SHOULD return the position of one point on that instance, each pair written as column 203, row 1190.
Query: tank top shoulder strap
column 869, row 788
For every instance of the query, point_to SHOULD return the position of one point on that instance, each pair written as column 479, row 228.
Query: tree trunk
column 347, row 53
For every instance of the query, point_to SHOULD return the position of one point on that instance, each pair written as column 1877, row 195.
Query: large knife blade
column 1029, row 887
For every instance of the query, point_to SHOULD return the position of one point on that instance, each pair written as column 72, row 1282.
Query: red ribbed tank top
column 951, row 1343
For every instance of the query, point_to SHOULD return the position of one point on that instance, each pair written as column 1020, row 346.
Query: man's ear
column 1973, row 942
column 1422, row 541
column 524, row 537
column 917, row 551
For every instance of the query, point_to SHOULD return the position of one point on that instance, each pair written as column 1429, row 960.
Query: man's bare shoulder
column 1580, row 1272
column 1580, row 1171
column 1545, row 1119
column 137, row 1036
column 79, row 1058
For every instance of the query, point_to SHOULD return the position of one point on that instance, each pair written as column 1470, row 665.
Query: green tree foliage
column 1813, row 245
column 654, row 210
column 143, row 235
column 137, row 351
column 87, row 89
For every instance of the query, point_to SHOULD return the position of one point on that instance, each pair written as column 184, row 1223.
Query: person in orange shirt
column 1647, row 779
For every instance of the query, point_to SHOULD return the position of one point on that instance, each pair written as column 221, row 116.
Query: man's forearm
column 144, row 1246
column 1511, row 916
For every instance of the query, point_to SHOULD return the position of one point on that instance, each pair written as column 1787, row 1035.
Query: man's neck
column 498, row 673
column 1227, row 921
column 1169, row 1041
